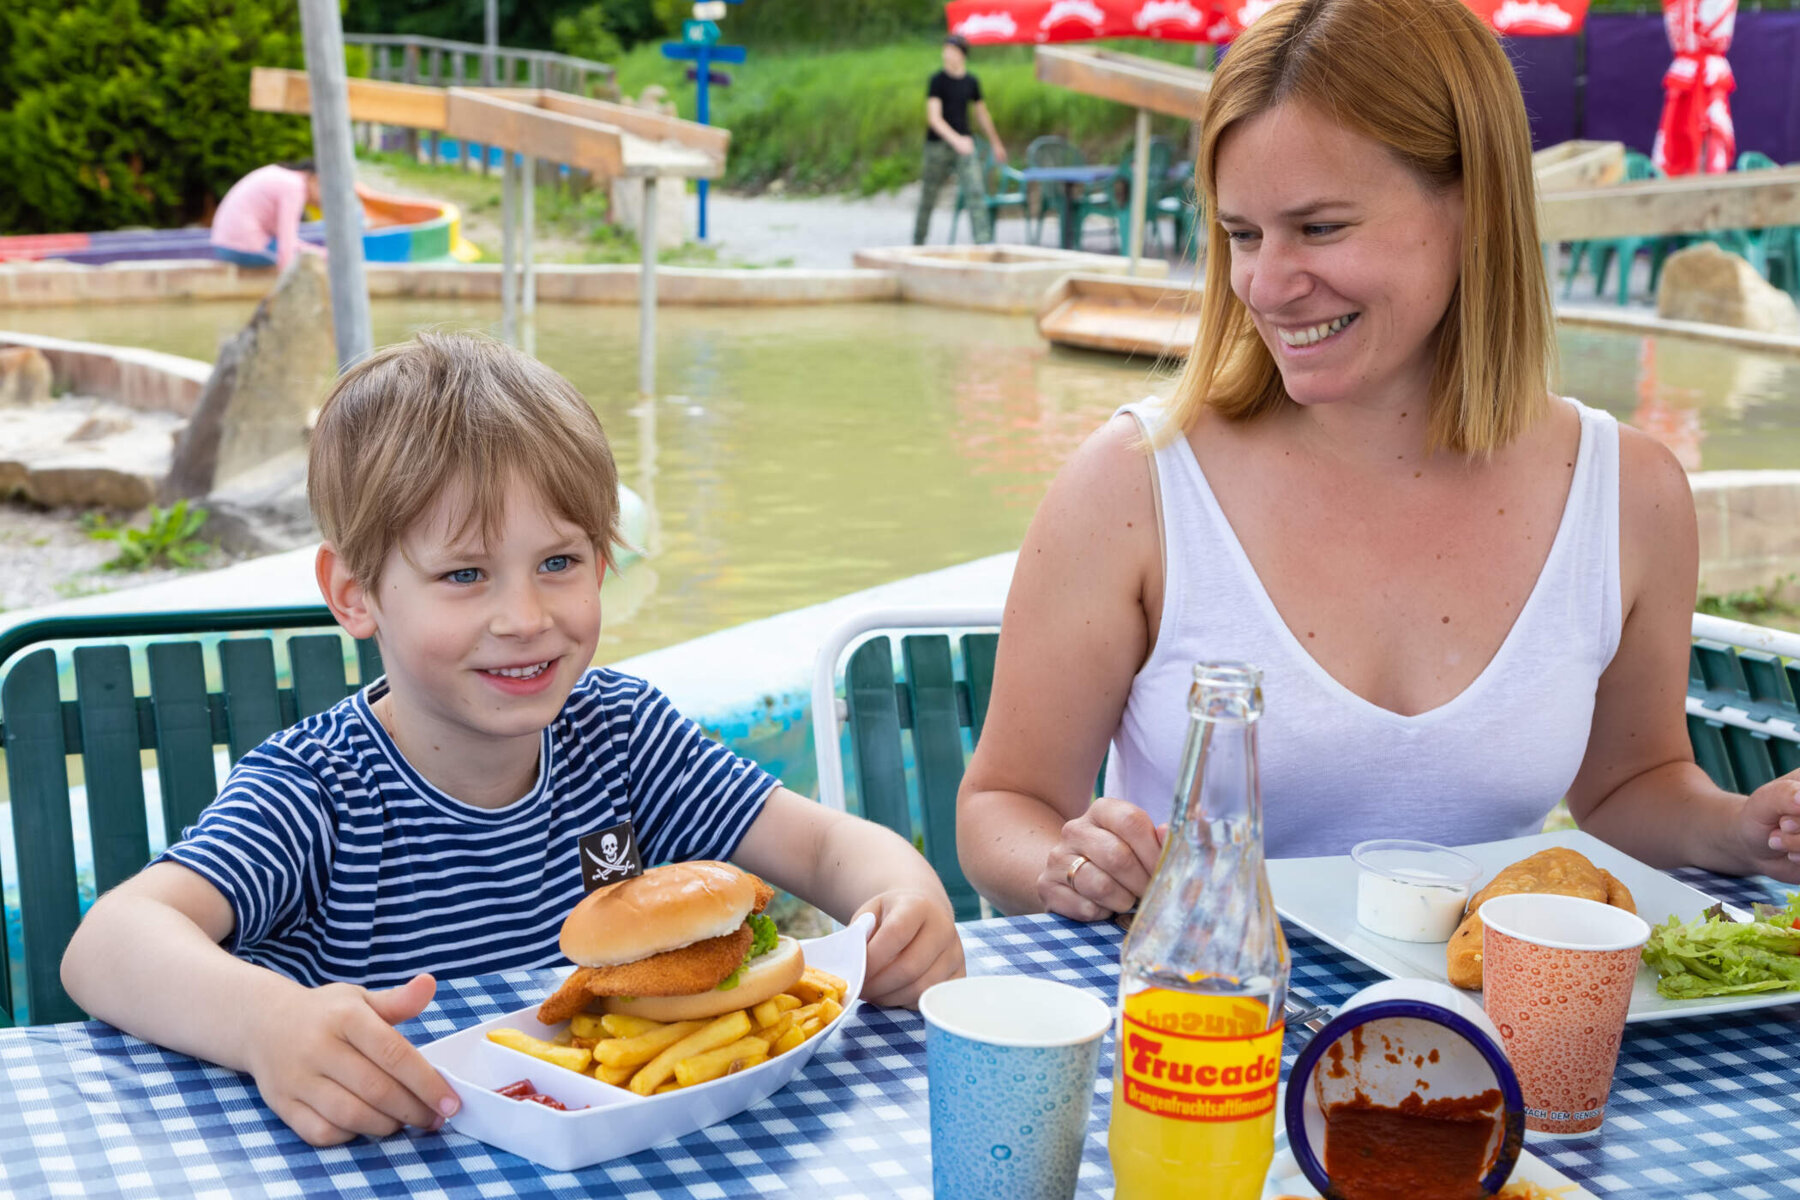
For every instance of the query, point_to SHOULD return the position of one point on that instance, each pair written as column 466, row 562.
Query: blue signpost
column 700, row 45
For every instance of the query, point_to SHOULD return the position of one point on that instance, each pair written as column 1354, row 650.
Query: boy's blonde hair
column 453, row 410
column 1427, row 80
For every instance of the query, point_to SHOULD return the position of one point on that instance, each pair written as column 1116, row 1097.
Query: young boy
column 430, row 823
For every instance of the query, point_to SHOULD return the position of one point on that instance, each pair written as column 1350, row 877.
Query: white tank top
column 1336, row 769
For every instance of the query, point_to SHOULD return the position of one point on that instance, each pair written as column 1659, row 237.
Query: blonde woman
column 1469, row 597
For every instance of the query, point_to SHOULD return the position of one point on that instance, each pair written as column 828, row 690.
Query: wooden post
column 323, row 37
column 437, row 80
column 491, row 34
column 527, row 218
column 647, row 292
column 509, row 250
column 1140, row 187
column 409, row 73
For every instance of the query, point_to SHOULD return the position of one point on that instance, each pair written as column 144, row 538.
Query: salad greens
column 1714, row 955
column 763, row 935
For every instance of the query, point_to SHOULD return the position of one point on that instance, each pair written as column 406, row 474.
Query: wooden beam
column 526, row 129
column 1690, row 204
column 415, row 106
column 708, row 139
column 1127, row 78
column 1578, row 164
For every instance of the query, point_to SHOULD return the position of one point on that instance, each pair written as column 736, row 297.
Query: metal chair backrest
column 1741, row 713
column 1052, row 150
column 177, row 722
column 1755, row 160
column 911, row 713
column 1639, row 167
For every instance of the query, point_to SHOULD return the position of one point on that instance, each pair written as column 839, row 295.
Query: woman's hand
column 1102, row 863
column 1768, row 827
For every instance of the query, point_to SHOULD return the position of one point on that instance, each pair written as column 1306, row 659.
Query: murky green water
column 800, row 453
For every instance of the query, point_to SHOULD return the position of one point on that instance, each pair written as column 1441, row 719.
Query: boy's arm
column 934, row 117
column 848, row 866
column 327, row 1060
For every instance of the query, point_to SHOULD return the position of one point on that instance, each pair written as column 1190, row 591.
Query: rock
column 266, row 384
column 83, row 452
column 24, row 376
column 671, row 208
column 1704, row 283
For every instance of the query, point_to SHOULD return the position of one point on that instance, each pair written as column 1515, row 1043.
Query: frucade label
column 1199, row 1058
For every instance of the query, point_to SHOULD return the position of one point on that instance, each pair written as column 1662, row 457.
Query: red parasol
column 996, row 21
column 1695, row 133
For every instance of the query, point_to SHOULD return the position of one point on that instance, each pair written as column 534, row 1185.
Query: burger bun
column 767, row 975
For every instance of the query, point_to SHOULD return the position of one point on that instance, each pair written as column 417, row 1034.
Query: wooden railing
column 405, row 58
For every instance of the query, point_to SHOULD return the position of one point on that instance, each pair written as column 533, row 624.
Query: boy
column 950, row 96
column 430, row 823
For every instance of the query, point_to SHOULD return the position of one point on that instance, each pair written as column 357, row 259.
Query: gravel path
column 49, row 557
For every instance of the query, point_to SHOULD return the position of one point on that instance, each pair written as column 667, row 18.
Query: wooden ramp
column 1146, row 318
column 607, row 140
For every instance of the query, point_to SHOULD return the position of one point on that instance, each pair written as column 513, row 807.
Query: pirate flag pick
column 609, row 855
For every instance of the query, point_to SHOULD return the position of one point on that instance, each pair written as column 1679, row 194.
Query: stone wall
column 1749, row 528
column 141, row 379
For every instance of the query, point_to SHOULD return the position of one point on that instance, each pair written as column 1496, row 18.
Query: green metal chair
column 188, row 708
column 925, row 714
column 1603, row 253
column 1780, row 244
column 1002, row 187
column 1050, row 150
column 1162, row 153
column 1741, row 713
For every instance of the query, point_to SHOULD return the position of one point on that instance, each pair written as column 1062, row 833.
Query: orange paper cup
column 1557, row 973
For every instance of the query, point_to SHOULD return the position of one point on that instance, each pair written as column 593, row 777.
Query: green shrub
column 168, row 539
column 136, row 112
column 854, row 119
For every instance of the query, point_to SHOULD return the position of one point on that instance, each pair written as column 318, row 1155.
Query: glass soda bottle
column 1204, row 974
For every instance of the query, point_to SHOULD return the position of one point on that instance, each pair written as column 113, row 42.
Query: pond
column 800, row 453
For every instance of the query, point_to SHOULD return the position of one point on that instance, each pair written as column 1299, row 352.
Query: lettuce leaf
column 1713, row 955
column 762, row 940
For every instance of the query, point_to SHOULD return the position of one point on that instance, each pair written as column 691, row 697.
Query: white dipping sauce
column 1420, row 907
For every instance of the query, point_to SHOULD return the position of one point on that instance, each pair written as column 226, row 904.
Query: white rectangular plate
column 1319, row 895
column 617, row 1121
column 1285, row 1178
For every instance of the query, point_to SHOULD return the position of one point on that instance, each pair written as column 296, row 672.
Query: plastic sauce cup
column 1411, row 891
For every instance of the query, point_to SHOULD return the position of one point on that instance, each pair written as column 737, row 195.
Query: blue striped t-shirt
column 342, row 863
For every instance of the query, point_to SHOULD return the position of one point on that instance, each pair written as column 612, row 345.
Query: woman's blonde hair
column 454, row 410
column 1427, row 80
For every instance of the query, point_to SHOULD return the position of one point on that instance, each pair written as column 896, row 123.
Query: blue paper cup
column 1011, row 1062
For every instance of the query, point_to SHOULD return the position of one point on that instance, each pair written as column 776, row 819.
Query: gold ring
column 1080, row 861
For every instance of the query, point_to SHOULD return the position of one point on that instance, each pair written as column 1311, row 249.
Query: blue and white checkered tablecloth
column 1703, row 1108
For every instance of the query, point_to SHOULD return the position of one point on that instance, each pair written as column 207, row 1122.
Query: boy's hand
column 331, row 1065
column 913, row 946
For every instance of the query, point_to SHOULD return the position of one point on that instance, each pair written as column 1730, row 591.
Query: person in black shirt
column 949, row 149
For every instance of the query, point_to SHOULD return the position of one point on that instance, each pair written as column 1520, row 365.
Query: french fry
column 722, row 1031
column 744, row 1064
column 787, row 1041
column 570, row 1039
column 807, row 1012
column 636, row 1051
column 622, row 1026
column 563, row 1056
column 563, row 1037
column 617, row 1076
column 588, row 1025
column 666, row 1087
column 828, row 1012
column 808, row 991
column 770, row 1033
column 826, row 979
column 770, row 1010
column 700, row 1068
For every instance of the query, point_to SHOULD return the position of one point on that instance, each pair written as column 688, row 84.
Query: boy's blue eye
column 558, row 562
column 464, row 575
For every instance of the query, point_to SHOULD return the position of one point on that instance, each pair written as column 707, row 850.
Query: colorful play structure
column 396, row 229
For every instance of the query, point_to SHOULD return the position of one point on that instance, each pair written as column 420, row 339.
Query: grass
column 1776, row 605
column 854, row 119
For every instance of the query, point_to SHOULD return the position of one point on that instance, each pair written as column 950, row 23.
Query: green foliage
column 1758, row 605
column 586, row 34
column 169, row 540
column 854, row 119
column 817, row 23
column 135, row 112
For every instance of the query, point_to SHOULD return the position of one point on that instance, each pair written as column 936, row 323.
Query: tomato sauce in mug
column 1436, row 1148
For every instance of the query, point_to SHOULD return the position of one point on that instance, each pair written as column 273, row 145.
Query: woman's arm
column 1075, row 632
column 1639, row 788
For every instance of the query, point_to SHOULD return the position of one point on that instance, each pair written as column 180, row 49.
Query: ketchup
column 1436, row 1148
column 522, row 1089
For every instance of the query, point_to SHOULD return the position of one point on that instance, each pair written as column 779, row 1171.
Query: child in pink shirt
column 257, row 224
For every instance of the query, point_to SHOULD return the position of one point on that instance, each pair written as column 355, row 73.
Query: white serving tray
column 617, row 1121
column 1285, row 1179
column 1319, row 895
